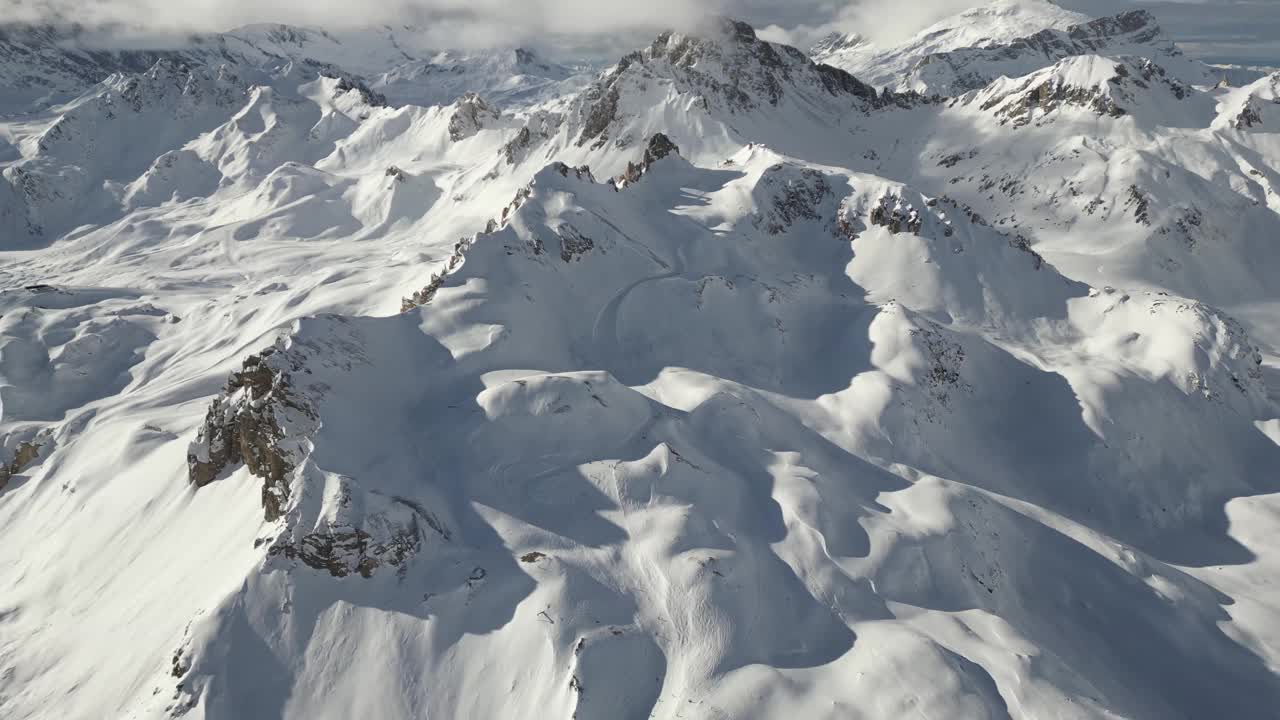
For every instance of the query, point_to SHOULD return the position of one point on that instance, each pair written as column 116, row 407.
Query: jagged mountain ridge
column 49, row 63
column 798, row 383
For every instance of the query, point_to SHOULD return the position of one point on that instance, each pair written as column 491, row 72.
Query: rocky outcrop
column 792, row 195
column 728, row 69
column 471, row 114
column 260, row 420
column 1139, row 25
column 350, row 83
column 541, row 125
column 1249, row 116
column 573, row 244
column 1118, row 88
column 268, row 419
column 659, row 147
column 897, row 215
column 387, row 536
column 23, row 456
column 941, row 376
column 346, row 550
column 1260, row 101
column 454, row 261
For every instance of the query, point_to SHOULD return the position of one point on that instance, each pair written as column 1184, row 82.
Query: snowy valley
column 345, row 377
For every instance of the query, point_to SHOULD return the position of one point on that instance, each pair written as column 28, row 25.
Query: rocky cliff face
column 1114, row 88
column 267, row 420
column 730, row 71
column 471, row 114
column 1255, row 107
column 24, row 454
column 659, row 147
column 262, row 420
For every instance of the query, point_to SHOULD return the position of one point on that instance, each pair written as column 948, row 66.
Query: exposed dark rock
column 659, row 147
column 348, row 83
column 1020, row 242
column 892, row 213
column 1051, row 94
column 516, row 147
column 941, row 377
column 1255, row 107
column 424, row 296
column 244, row 425
column 954, row 159
column 796, row 195
column 471, row 115
column 1248, row 117
column 25, row 454
column 582, row 172
column 603, row 103
column 728, row 68
column 573, row 244
column 344, row 550
column 1141, row 205
column 1140, row 25
column 849, row 225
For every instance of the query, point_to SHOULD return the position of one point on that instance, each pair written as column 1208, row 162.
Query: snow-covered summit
column 507, row 76
column 996, row 23
column 1254, row 107
column 972, row 49
column 1131, row 33
column 1134, row 87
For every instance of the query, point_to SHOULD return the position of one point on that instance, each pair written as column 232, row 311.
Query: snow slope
column 719, row 385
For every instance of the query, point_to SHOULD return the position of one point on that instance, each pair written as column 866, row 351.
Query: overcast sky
column 1218, row 30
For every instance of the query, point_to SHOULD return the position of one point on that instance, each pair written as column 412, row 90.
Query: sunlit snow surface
column 854, row 405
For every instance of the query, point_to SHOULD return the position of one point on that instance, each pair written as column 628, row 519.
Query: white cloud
column 569, row 16
column 1209, row 24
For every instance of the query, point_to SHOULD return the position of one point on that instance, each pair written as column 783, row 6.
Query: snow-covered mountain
column 44, row 65
column 974, row 48
column 995, row 24
column 342, row 377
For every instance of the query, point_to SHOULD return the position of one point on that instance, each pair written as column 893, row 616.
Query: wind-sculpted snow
column 724, row 387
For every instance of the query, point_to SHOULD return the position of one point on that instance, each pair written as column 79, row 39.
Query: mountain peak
column 727, row 69
column 834, row 43
column 990, row 25
column 1009, row 39
column 1130, row 22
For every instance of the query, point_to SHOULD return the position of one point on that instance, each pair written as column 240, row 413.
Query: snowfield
column 342, row 377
